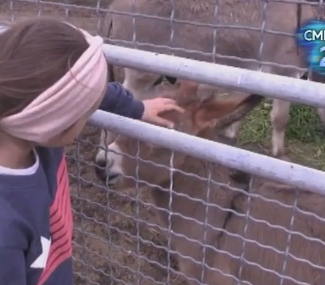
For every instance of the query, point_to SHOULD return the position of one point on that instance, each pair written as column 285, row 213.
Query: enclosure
column 117, row 236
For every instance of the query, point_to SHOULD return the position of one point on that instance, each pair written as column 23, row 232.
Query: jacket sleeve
column 12, row 268
column 120, row 101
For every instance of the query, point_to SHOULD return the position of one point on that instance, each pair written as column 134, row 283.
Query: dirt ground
column 111, row 246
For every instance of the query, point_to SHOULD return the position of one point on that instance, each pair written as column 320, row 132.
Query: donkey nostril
column 101, row 164
column 100, row 170
column 113, row 176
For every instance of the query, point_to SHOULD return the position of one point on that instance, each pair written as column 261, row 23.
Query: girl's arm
column 120, row 101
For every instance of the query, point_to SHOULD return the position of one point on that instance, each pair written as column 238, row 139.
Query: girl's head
column 52, row 77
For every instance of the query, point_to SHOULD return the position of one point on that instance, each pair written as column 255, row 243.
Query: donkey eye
column 159, row 80
column 171, row 80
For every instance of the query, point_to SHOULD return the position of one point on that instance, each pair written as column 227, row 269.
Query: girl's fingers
column 167, row 101
column 160, row 105
column 162, row 122
column 170, row 107
column 167, row 104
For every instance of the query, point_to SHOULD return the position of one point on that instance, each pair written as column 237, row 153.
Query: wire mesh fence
column 181, row 219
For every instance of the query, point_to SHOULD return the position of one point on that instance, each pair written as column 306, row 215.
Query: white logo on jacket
column 40, row 262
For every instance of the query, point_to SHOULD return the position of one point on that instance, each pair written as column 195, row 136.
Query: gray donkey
column 272, row 235
column 190, row 22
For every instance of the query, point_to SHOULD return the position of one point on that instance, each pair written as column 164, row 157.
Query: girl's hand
column 153, row 107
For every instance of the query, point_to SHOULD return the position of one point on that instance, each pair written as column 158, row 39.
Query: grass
column 305, row 136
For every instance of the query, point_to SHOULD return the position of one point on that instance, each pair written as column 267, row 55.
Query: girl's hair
column 35, row 54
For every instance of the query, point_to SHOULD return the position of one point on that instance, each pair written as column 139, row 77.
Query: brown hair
column 34, row 54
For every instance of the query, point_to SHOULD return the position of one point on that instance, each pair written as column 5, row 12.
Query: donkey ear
column 223, row 112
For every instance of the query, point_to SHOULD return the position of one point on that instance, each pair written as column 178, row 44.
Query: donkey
column 250, row 236
column 226, row 44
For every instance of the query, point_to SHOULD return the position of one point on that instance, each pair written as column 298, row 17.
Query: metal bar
column 257, row 164
column 266, row 84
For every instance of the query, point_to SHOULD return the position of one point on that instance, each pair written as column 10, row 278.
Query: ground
column 305, row 138
column 111, row 246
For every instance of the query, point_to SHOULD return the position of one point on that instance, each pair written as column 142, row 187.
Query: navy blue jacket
column 120, row 101
column 35, row 210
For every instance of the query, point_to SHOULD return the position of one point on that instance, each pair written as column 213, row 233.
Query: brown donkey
column 259, row 236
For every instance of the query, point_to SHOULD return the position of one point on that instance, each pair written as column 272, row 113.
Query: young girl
column 52, row 77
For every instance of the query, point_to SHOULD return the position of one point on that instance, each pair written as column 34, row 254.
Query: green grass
column 305, row 136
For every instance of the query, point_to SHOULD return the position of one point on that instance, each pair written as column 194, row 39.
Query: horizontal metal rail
column 255, row 82
column 257, row 164
column 266, row 84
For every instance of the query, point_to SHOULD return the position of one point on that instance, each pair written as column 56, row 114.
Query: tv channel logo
column 311, row 39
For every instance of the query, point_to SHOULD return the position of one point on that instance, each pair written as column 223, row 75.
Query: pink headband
column 64, row 103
